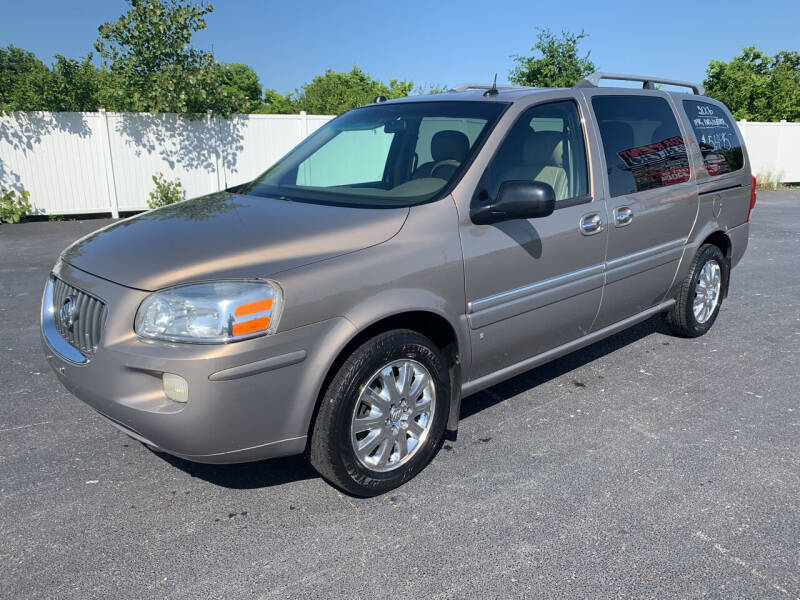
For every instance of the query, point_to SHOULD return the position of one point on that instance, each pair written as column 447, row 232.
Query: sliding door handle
column 623, row 215
column 591, row 224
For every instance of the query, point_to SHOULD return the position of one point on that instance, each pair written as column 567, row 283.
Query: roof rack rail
column 463, row 87
column 648, row 83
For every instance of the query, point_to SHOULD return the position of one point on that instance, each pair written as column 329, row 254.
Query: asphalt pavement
column 644, row 466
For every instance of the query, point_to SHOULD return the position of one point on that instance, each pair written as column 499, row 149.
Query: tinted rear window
column 643, row 145
column 721, row 147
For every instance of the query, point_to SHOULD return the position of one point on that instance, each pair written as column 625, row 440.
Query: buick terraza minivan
column 407, row 254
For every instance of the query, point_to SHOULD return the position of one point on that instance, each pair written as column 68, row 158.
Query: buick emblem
column 67, row 313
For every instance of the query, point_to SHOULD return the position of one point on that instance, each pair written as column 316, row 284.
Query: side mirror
column 517, row 200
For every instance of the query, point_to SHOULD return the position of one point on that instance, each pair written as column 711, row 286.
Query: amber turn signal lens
column 253, row 307
column 250, row 326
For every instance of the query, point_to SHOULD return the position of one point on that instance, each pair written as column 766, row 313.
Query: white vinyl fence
column 774, row 149
column 74, row 163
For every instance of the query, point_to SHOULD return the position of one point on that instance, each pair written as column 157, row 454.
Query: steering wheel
column 449, row 162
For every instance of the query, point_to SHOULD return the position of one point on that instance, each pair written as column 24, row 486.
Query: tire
column 363, row 424
column 683, row 319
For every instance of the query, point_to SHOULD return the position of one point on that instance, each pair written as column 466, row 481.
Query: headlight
column 211, row 313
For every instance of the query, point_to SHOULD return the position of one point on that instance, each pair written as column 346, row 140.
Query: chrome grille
column 88, row 317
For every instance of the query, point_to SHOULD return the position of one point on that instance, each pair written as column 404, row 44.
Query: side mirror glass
column 517, row 200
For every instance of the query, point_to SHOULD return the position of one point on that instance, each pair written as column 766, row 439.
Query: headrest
column 616, row 135
column 449, row 145
column 544, row 148
column 664, row 131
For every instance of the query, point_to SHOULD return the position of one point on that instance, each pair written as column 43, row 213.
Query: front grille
column 88, row 317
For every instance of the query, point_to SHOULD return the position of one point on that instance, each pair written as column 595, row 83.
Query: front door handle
column 623, row 215
column 591, row 224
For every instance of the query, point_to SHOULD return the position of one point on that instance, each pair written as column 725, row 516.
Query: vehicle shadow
column 247, row 476
column 552, row 370
column 278, row 471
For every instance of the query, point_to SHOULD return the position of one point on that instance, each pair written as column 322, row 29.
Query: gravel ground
column 643, row 466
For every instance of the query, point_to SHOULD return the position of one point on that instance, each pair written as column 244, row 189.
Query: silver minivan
column 407, row 254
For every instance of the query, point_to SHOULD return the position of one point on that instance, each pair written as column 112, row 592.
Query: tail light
column 752, row 195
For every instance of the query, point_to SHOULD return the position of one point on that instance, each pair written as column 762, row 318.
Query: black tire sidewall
column 708, row 253
column 397, row 346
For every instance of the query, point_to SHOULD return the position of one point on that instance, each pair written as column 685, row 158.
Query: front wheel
column 700, row 295
column 383, row 415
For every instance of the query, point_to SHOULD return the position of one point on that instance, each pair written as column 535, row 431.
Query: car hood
column 225, row 235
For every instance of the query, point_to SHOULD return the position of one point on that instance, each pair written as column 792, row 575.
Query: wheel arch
column 425, row 321
column 721, row 240
column 709, row 233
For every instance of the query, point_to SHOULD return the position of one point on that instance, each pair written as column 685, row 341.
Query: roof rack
column 648, row 83
column 463, row 87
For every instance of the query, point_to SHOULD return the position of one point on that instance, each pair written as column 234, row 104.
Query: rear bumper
column 739, row 237
column 247, row 400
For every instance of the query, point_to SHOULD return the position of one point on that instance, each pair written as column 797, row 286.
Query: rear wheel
column 383, row 414
column 700, row 295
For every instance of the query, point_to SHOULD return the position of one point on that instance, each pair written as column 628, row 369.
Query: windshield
column 382, row 155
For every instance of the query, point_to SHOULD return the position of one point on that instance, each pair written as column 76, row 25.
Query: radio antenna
column 493, row 91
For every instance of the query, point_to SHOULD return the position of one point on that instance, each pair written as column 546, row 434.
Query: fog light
column 175, row 387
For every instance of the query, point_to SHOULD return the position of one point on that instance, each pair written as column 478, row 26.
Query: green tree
column 241, row 80
column 27, row 84
column 335, row 92
column 430, row 88
column 155, row 69
column 559, row 64
column 276, row 103
column 74, row 85
column 25, row 81
column 756, row 86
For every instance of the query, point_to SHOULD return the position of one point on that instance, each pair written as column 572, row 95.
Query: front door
column 652, row 202
column 534, row 284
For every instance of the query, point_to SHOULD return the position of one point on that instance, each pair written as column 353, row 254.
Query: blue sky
column 435, row 41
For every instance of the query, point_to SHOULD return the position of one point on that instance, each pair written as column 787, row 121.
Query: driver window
column 546, row 144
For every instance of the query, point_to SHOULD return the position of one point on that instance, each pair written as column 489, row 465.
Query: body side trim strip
column 643, row 264
column 530, row 302
column 260, row 366
column 635, row 256
column 539, row 286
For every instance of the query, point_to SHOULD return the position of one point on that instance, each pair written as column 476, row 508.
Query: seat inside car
column 542, row 159
column 446, row 145
column 619, row 135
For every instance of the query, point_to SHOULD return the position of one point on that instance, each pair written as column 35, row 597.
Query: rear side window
column 642, row 143
column 721, row 147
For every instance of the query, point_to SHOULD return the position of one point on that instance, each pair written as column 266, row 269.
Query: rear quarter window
column 719, row 144
column 642, row 143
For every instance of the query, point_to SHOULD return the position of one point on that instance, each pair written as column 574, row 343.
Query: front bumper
column 248, row 400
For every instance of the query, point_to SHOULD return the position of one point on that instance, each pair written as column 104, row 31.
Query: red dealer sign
column 657, row 164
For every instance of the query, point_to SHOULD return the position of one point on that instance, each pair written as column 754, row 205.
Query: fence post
column 303, row 125
column 780, row 175
column 108, row 161
column 211, row 131
column 304, row 170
